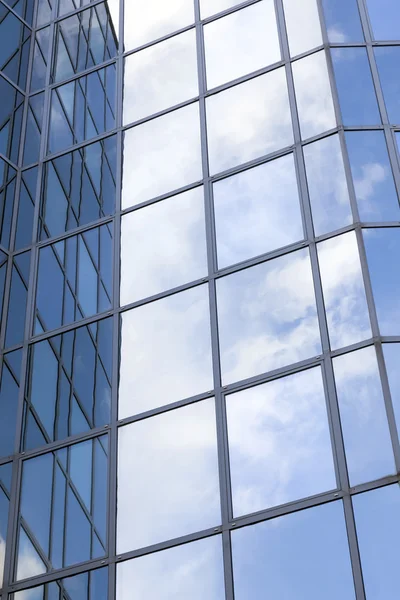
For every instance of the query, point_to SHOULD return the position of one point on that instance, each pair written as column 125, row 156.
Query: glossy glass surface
column 384, row 16
column 342, row 20
column 372, row 176
column 391, row 353
column 383, row 250
column 66, row 6
column 148, row 21
column 5, row 491
column 314, row 95
column 69, row 385
column 26, row 205
column 160, row 76
column 23, row 8
column 365, row 426
column 74, row 279
column 8, row 179
column 257, row 211
column 85, row 586
column 248, row 120
column 14, row 47
column 78, row 188
column 33, row 129
column 267, row 317
column 240, row 43
column 192, row 571
column 173, row 457
column 82, row 109
column 212, row 7
column 11, row 108
column 172, row 142
column 279, row 443
column 302, row 25
column 387, row 59
column 163, row 246
column 378, row 530
column 327, row 185
column 17, row 299
column 9, row 390
column 343, row 289
column 302, row 556
column 40, row 59
column 44, row 12
column 63, row 519
column 159, row 362
column 355, row 87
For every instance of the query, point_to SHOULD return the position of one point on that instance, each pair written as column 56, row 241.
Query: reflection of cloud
column 337, row 36
column 371, row 174
column 29, row 563
column 167, row 476
column 303, row 25
column 212, row 7
column 280, row 448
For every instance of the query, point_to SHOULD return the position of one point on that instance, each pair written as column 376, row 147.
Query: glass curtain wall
column 199, row 283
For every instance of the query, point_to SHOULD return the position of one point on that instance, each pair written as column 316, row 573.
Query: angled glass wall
column 199, row 282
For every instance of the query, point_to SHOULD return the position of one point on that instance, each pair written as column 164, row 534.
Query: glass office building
column 199, row 295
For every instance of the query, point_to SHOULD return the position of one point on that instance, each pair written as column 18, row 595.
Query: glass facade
column 199, row 284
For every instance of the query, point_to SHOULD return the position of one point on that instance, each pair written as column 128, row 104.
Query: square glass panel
column 303, row 25
column 165, row 352
column 257, row 211
column 242, row 42
column 160, row 76
column 387, row 59
column 279, row 443
column 384, row 16
column 167, row 476
column 365, row 426
column 267, row 317
column 300, row 556
column 192, row 571
column 163, row 246
column 248, row 121
column 342, row 20
column 391, row 353
column 170, row 145
column 314, row 95
column 327, row 185
column 9, row 394
column 378, row 531
column 150, row 20
column 85, row 586
column 383, row 251
column 5, row 493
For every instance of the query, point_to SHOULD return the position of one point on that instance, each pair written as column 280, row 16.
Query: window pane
column 342, row 21
column 212, row 7
column 69, row 385
column 163, row 246
column 240, row 43
column 26, row 205
column 378, row 530
column 327, row 185
column 40, row 58
column 365, row 426
column 372, row 176
column 344, row 293
column 267, row 317
column 387, row 59
column 64, row 516
column 173, row 457
column 383, row 251
column 303, row 25
column 314, row 95
column 385, row 18
column 5, row 492
column 147, row 21
column 257, row 211
column 9, row 391
column 391, row 353
column 279, row 443
column 165, row 352
column 14, row 47
column 8, row 180
column 17, row 299
column 160, row 76
column 248, row 121
column 11, row 109
column 192, row 571
column 33, row 129
column 302, row 556
column 169, row 144
column 23, row 8
column 355, row 87
column 85, row 586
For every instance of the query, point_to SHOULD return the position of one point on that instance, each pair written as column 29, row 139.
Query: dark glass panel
column 355, row 87
column 68, row 390
column 3, row 271
column 342, row 21
column 78, row 188
column 59, row 519
column 17, row 299
column 5, row 485
column 11, row 108
column 82, row 109
column 24, row 8
column 14, row 47
column 74, row 278
column 9, row 390
column 7, row 191
column 33, row 129
column 40, row 57
column 83, row 41
column 85, row 586
column 26, row 206
column 388, row 59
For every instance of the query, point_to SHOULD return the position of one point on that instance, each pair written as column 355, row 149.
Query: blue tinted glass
column 342, row 21
column 301, row 556
column 5, row 485
column 66, row 6
column 355, row 88
column 14, row 47
column 85, row 586
column 7, row 191
column 17, row 299
column 33, row 129
column 9, row 390
column 44, row 12
column 3, row 271
column 24, row 8
column 11, row 108
column 385, row 19
column 378, row 529
column 27, row 194
column 383, row 254
column 372, row 176
column 392, row 361
column 388, row 59
column 39, row 65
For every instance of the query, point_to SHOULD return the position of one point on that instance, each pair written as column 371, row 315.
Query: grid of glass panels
column 199, row 345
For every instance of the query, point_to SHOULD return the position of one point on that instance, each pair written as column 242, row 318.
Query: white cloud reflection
column 303, row 25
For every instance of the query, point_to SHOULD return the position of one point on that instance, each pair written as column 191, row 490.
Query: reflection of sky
column 301, row 556
column 168, row 476
column 342, row 21
column 387, row 59
column 279, row 442
column 193, row 571
column 385, row 18
column 212, row 7
column 303, row 25
column 392, row 360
